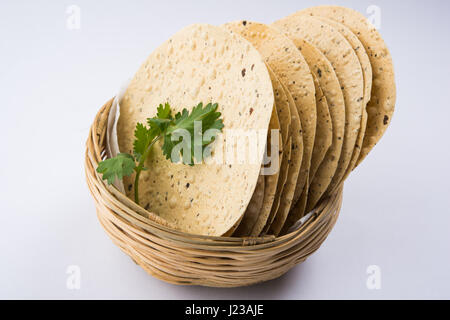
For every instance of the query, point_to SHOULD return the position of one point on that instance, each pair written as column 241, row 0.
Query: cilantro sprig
column 164, row 126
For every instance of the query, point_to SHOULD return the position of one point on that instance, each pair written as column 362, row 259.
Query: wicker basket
column 186, row 259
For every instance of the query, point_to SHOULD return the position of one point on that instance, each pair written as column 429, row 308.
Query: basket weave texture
column 186, row 259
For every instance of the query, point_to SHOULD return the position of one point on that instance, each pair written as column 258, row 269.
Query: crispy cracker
column 381, row 107
column 192, row 67
column 287, row 196
column 325, row 74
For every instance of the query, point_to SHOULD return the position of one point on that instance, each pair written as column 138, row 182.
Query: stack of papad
column 318, row 83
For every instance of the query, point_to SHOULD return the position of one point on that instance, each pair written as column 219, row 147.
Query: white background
column 396, row 211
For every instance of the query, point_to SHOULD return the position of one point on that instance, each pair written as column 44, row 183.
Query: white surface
column 53, row 81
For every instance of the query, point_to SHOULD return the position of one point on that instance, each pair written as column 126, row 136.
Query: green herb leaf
column 164, row 112
column 143, row 137
column 162, row 120
column 207, row 115
column 209, row 119
column 117, row 167
column 158, row 126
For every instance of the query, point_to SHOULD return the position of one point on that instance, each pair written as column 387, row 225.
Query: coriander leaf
column 158, row 126
column 162, row 120
column 143, row 136
column 164, row 112
column 209, row 118
column 167, row 147
column 116, row 168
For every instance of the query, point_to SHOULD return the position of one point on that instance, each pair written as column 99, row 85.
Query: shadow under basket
column 185, row 259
